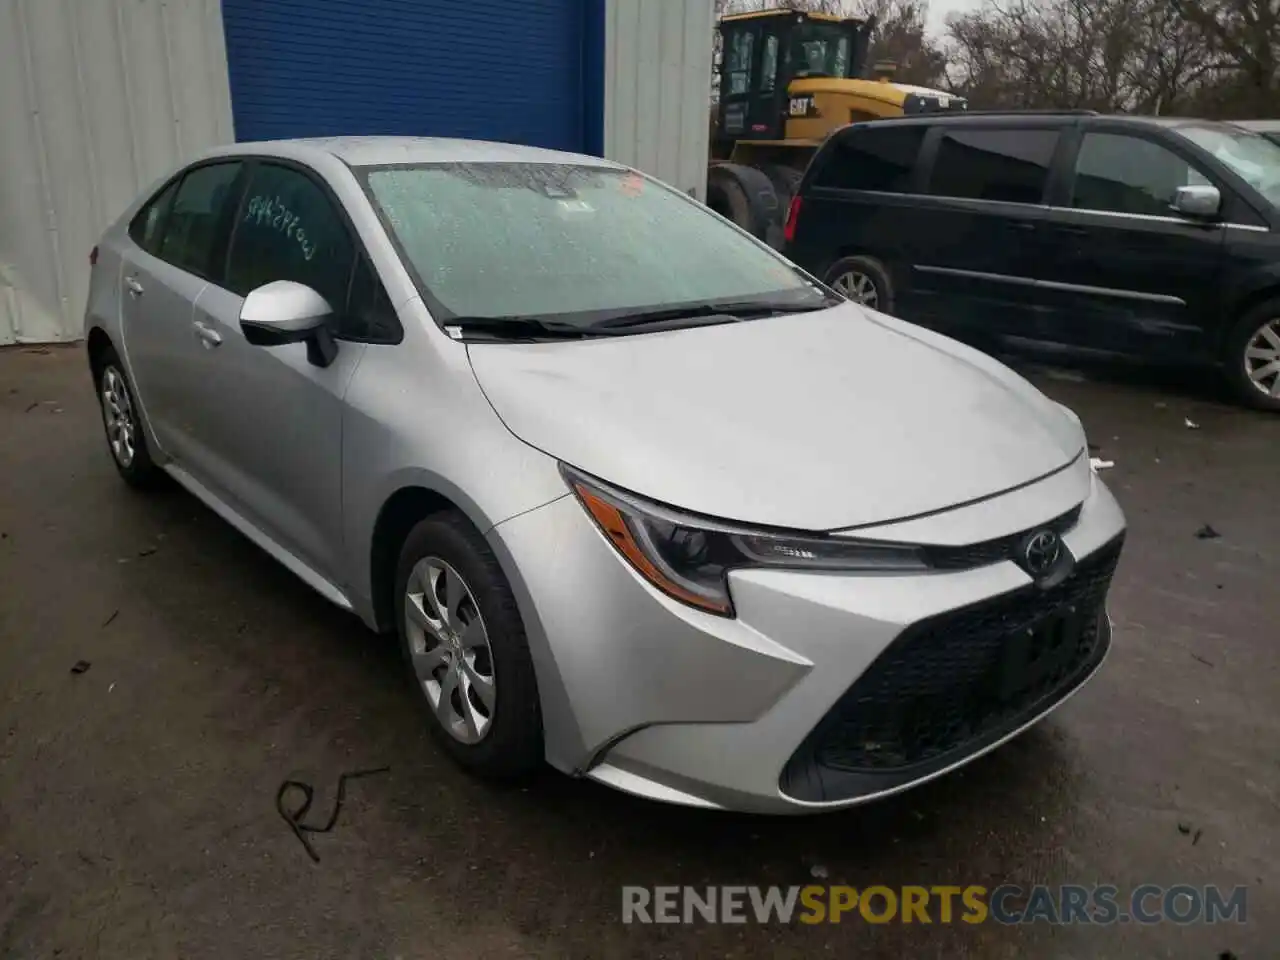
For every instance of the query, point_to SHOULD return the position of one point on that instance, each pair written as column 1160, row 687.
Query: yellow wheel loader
column 787, row 80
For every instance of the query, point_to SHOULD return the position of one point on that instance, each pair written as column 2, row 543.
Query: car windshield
column 569, row 243
column 1253, row 157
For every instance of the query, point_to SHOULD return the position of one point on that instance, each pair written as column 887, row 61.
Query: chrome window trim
column 1156, row 218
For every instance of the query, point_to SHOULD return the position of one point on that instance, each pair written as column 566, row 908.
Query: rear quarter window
column 872, row 159
column 147, row 227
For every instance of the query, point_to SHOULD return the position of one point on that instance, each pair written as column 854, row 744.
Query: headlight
column 688, row 557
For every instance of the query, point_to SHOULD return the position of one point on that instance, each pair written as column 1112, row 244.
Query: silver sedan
column 639, row 498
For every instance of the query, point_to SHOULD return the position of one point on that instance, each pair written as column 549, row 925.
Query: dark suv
column 1070, row 232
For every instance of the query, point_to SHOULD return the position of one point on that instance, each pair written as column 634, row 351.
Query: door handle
column 1074, row 231
column 1026, row 226
column 133, row 286
column 208, row 336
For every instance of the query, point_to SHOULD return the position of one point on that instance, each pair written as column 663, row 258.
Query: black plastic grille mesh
column 958, row 677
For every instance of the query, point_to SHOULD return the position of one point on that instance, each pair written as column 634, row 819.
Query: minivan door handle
column 209, row 337
column 1027, row 226
column 133, row 286
column 1074, row 230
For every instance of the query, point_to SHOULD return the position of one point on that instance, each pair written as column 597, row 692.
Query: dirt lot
column 137, row 799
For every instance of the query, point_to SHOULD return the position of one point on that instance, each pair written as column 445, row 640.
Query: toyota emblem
column 1041, row 552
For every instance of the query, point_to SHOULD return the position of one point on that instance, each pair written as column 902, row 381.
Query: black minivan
column 1150, row 238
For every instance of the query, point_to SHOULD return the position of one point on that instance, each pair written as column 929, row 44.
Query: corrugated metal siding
column 501, row 70
column 657, row 72
column 98, row 98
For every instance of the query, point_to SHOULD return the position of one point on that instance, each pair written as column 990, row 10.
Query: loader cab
column 762, row 53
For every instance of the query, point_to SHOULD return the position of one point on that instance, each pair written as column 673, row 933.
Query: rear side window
column 288, row 229
column 193, row 226
column 1005, row 165
column 1124, row 174
column 147, row 226
column 872, row 159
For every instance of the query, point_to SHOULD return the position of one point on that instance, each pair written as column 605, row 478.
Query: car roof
column 1017, row 117
column 377, row 150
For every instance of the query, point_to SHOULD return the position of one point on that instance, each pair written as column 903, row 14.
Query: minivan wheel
column 464, row 643
column 1252, row 362
column 863, row 280
column 125, row 437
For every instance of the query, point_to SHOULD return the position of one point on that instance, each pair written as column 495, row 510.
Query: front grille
column 993, row 551
column 953, row 682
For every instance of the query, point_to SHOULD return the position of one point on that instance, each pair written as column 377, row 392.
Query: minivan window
column 871, row 158
column 287, row 229
column 1254, row 158
column 1010, row 165
column 1127, row 174
column 577, row 242
column 192, row 227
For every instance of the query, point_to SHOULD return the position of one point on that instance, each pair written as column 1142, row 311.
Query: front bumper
column 768, row 712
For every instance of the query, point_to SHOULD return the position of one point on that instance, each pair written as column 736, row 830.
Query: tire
column 1253, row 344
column 126, row 439
column 498, row 736
column 726, row 197
column 849, row 274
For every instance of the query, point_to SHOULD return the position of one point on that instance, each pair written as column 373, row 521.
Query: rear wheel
column 726, row 196
column 464, row 643
column 125, row 437
column 1252, row 360
column 863, row 280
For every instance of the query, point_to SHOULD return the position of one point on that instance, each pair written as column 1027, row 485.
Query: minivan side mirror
column 283, row 312
column 1200, row 201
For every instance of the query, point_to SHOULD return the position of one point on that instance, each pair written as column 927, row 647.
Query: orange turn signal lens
column 614, row 525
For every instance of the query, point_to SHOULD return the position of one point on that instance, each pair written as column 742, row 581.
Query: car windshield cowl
column 625, row 322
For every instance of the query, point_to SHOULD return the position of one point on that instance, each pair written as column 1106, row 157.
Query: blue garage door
column 523, row 71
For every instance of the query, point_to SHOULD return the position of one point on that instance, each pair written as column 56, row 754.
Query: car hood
column 817, row 421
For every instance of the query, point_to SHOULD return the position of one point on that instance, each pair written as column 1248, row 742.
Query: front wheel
column 864, row 280
column 1252, row 360
column 464, row 643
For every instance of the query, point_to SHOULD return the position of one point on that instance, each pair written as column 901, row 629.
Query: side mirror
column 283, row 312
column 1200, row 202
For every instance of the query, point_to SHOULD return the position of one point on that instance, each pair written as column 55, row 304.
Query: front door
column 271, row 419
column 1122, row 272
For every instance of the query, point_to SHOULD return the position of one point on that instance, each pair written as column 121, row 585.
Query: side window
column 1007, row 165
column 769, row 63
column 738, row 67
column 148, row 224
column 288, row 229
column 872, row 159
column 1124, row 174
column 369, row 314
column 191, row 229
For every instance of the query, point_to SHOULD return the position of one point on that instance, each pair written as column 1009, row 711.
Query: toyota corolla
column 638, row 497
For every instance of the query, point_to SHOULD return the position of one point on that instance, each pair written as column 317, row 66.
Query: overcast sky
column 938, row 10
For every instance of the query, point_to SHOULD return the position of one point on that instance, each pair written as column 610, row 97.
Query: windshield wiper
column 519, row 328
column 705, row 313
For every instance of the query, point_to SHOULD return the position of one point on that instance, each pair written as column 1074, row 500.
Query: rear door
column 1122, row 271
column 975, row 251
column 164, row 271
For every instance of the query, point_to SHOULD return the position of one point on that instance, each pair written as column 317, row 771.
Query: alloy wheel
column 1262, row 359
column 858, row 287
column 117, row 414
column 449, row 649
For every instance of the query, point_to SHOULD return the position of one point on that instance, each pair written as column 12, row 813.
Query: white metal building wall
column 657, row 77
column 98, row 98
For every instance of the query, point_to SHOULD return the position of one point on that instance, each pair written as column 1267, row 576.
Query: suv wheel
column 464, row 643
column 863, row 280
column 1253, row 357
